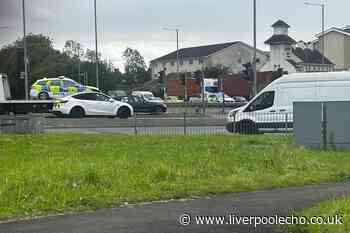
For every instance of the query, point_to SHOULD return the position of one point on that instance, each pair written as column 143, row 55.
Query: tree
column 90, row 55
column 247, row 72
column 44, row 61
column 216, row 72
column 73, row 49
column 135, row 67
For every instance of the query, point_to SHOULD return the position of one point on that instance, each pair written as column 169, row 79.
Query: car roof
column 53, row 79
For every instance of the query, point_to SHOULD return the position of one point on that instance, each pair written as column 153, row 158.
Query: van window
column 264, row 101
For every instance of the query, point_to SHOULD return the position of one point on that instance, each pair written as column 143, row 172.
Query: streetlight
column 254, row 57
column 25, row 51
column 322, row 5
column 96, row 47
column 177, row 56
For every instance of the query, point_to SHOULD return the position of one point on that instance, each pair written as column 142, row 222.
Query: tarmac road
column 163, row 217
column 146, row 124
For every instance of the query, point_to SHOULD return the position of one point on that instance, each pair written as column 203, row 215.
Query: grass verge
column 44, row 174
column 327, row 209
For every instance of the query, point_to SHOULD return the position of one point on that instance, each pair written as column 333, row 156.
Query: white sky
column 138, row 23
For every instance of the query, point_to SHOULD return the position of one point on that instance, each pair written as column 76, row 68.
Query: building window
column 201, row 61
column 191, row 61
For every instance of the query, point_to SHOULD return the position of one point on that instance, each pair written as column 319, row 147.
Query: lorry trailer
column 11, row 106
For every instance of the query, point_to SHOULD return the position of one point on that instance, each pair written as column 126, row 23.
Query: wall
column 334, row 49
column 175, row 88
column 171, row 66
column 235, row 56
column 234, row 85
column 347, row 53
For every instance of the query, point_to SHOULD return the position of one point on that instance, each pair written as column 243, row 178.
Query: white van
column 272, row 108
column 147, row 95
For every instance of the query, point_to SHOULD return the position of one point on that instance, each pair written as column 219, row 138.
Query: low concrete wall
column 26, row 124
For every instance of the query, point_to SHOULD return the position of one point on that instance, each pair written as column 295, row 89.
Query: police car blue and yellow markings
column 58, row 88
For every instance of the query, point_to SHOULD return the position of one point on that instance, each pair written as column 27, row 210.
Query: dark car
column 142, row 105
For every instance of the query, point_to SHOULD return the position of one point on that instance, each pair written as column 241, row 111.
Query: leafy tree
column 216, row 72
column 90, row 55
column 73, row 49
column 45, row 61
column 135, row 67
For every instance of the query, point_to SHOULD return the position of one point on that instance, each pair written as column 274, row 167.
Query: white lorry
column 213, row 94
column 272, row 108
column 7, row 105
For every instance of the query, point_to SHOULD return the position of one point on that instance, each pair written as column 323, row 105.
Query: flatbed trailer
column 26, row 106
column 7, row 105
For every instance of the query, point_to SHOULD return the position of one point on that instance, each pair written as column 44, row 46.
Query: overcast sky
column 138, row 23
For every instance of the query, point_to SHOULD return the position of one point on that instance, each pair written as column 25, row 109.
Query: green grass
column 62, row 173
column 326, row 209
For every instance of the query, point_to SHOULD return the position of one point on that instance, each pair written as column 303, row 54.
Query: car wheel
column 43, row 96
column 124, row 113
column 77, row 112
column 246, row 127
column 158, row 110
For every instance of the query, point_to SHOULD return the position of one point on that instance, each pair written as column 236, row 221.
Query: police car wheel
column 43, row 96
column 77, row 112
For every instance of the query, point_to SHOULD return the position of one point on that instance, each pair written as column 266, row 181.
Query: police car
column 52, row 88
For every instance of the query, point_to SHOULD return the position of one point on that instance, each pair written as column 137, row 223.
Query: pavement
column 163, row 217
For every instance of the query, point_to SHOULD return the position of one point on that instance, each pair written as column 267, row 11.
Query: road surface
column 163, row 217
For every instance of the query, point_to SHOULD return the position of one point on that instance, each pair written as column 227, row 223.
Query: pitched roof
column 201, row 51
column 280, row 39
column 280, row 23
column 344, row 31
column 310, row 56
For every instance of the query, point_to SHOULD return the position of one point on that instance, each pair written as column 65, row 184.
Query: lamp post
column 25, row 51
column 322, row 5
column 96, row 47
column 177, row 57
column 254, row 57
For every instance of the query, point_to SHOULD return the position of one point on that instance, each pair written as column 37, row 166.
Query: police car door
column 69, row 87
column 55, row 88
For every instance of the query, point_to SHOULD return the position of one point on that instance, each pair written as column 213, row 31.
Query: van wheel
column 246, row 127
column 124, row 113
column 77, row 112
column 230, row 127
column 43, row 96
